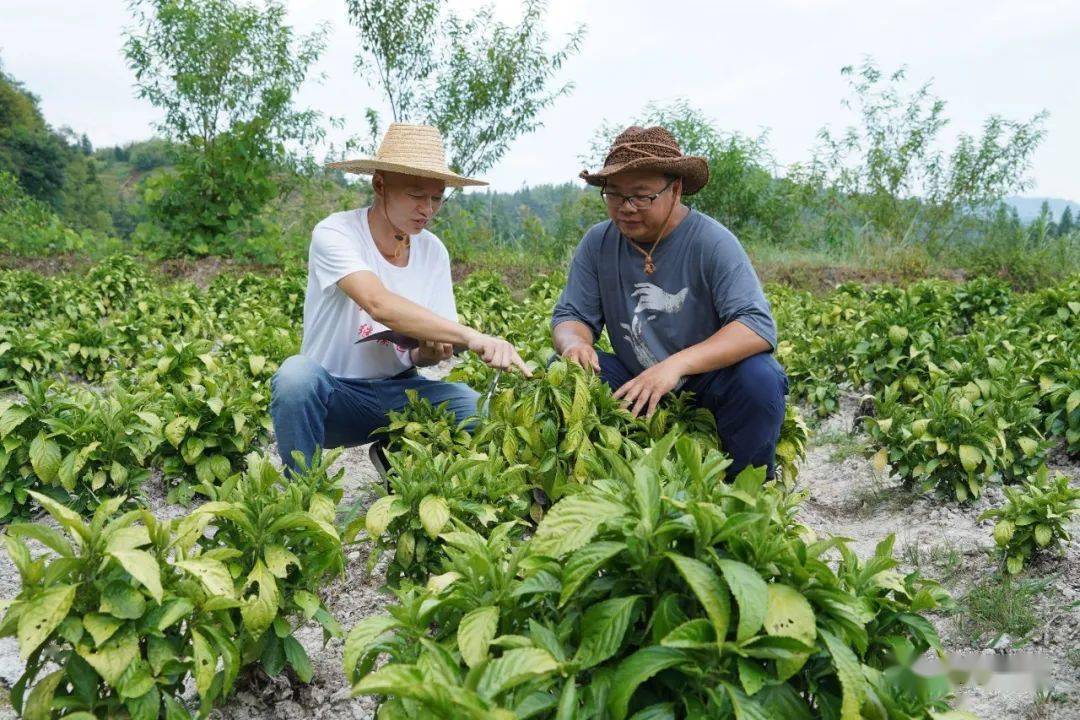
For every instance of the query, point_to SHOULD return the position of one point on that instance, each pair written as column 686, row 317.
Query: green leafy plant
column 432, row 492
column 107, row 617
column 660, row 590
column 275, row 546
column 1034, row 519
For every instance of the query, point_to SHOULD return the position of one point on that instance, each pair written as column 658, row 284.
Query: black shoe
column 377, row 454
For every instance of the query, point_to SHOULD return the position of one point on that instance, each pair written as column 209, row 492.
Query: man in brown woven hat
column 379, row 303
column 681, row 302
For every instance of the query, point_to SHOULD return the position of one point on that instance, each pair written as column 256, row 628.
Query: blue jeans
column 312, row 408
column 747, row 400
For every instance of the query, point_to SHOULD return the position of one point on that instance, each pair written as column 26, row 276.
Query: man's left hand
column 432, row 353
column 644, row 391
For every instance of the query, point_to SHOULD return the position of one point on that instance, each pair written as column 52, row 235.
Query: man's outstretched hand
column 644, row 391
column 498, row 353
column 584, row 354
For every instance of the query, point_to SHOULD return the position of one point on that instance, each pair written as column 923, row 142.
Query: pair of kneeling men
column 680, row 300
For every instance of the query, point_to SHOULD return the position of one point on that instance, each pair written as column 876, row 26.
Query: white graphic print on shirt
column 652, row 299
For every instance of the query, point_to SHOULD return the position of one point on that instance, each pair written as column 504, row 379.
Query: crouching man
column 681, row 303
column 373, row 271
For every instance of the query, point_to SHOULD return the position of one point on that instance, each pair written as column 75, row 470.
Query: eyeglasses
column 615, row 200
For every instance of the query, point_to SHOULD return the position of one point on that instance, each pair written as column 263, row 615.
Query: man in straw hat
column 379, row 303
column 681, row 302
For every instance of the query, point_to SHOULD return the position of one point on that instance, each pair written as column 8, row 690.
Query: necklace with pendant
column 402, row 239
column 650, row 265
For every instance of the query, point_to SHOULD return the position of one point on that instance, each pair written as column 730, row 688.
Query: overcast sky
column 751, row 66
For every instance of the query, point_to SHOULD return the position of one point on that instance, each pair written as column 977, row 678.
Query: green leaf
column 123, row 601
column 434, row 514
column 67, row 518
column 750, row 593
column 584, row 564
column 710, row 592
column 298, row 659
column 12, row 418
column 696, row 634
column 745, row 707
column 101, row 627
column 45, row 535
column 214, row 575
column 45, row 457
column 1043, row 535
column 382, row 512
column 41, row 616
column 365, row 634
column 573, row 522
column 475, row 633
column 603, row 629
column 143, row 567
column 635, row 670
column 1071, row 403
column 38, row 704
column 514, row 668
column 401, row 680
column 849, row 670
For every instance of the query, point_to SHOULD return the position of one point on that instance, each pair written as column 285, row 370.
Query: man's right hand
column 584, row 354
column 498, row 353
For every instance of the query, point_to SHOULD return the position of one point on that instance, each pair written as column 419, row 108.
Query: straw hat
column 410, row 150
column 651, row 148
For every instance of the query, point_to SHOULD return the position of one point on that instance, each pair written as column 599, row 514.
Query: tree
column 481, row 82
column 225, row 75
column 1065, row 224
column 896, row 173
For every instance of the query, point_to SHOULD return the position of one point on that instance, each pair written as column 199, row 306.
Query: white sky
column 751, row 66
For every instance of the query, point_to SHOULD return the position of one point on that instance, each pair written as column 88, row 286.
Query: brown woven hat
column 651, row 148
column 415, row 150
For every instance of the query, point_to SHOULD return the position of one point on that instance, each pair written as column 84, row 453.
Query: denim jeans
column 311, row 408
column 747, row 400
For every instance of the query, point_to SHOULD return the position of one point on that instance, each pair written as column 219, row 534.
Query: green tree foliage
column 895, row 174
column 481, row 82
column 224, row 74
column 53, row 167
column 1066, row 224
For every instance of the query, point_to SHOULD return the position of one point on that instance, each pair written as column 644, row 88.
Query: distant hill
column 1028, row 208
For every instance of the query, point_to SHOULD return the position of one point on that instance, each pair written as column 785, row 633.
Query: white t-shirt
column 340, row 245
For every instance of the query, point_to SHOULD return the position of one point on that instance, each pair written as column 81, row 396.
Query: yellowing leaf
column 259, row 611
column 381, row 514
column 41, row 616
column 214, row 575
column 880, row 460
column 143, row 567
column 278, row 560
column 970, row 457
column 475, row 633
column 111, row 659
column 434, row 514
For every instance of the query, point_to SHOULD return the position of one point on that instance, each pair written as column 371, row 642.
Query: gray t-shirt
column 702, row 281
